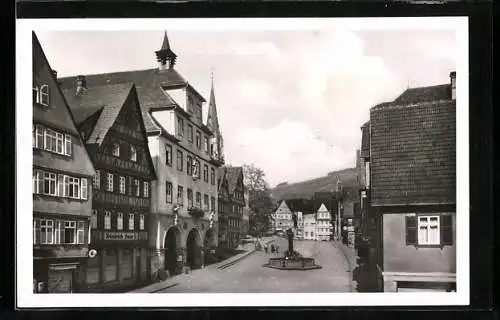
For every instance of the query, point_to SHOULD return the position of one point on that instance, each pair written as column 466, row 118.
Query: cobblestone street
column 249, row 276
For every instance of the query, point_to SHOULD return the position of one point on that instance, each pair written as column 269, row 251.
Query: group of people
column 272, row 248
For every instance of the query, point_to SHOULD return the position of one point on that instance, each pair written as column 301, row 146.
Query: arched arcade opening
column 172, row 246
column 193, row 246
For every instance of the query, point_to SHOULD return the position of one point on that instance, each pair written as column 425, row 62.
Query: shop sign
column 120, row 236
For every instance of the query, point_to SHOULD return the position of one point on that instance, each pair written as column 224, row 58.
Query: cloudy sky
column 291, row 102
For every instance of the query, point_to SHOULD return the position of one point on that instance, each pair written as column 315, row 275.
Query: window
column 141, row 222
column 49, row 184
column 122, row 185
column 137, row 187
column 119, row 221
column 429, row 230
column 168, row 187
column 196, row 168
column 198, row 111
column 116, row 149
column 198, row 199
column 212, row 204
column 44, row 95
column 146, row 189
column 72, row 187
column 107, row 220
column 46, row 231
column 84, row 189
column 180, row 195
column 93, row 219
column 168, row 155
column 205, row 202
column 205, row 173
column 212, row 176
column 133, row 153
column 96, row 181
column 39, row 132
column 131, row 221
column 110, row 182
column 180, row 127
column 190, row 197
column 198, row 139
column 70, row 232
column 205, row 144
column 189, row 165
column 67, row 144
column 80, row 232
column 190, row 133
column 180, row 160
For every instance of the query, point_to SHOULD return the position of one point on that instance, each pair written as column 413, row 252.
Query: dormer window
column 116, row 149
column 41, row 95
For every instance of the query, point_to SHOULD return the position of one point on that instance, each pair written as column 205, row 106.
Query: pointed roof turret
column 165, row 54
column 212, row 118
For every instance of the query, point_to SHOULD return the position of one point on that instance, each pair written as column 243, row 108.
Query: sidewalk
column 158, row 286
column 351, row 258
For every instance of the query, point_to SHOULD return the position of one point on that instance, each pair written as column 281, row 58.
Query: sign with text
column 121, row 236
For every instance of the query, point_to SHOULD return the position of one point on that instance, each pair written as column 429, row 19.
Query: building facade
column 109, row 119
column 412, row 184
column 62, row 195
column 283, row 218
column 323, row 224
column 231, row 206
column 186, row 151
column 310, row 226
column 299, row 233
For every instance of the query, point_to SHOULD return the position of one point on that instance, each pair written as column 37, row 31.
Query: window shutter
column 67, row 144
column 66, row 186
column 36, row 236
column 84, row 189
column 411, row 231
column 446, row 230
column 60, row 229
column 60, row 185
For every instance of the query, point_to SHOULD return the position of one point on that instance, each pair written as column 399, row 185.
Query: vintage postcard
column 242, row 162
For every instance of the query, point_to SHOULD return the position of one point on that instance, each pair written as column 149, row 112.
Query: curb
column 350, row 264
column 238, row 259
column 163, row 288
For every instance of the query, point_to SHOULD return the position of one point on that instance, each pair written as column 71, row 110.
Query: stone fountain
column 292, row 260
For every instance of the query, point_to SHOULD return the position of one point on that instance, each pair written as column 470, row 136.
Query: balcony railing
column 196, row 212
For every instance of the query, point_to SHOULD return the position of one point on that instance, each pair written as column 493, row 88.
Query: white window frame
column 51, row 177
column 122, row 184
column 424, row 223
column 168, row 192
column 119, row 221
column 68, row 145
column 73, row 188
column 131, row 221
column 84, row 189
column 80, row 232
column 70, row 225
column 44, row 95
column 107, row 220
column 116, row 149
column 96, row 180
column 141, row 222
column 137, row 187
column 133, row 153
column 39, row 136
column 109, row 186
column 48, row 225
column 146, row 189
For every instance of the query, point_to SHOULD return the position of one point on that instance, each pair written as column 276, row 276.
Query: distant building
column 62, row 192
column 300, row 225
column 283, row 217
column 310, row 226
column 245, row 220
column 411, row 187
column 323, row 224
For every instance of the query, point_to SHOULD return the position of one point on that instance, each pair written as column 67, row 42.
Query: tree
column 259, row 199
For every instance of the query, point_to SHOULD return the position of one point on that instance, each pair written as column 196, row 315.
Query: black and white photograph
column 242, row 162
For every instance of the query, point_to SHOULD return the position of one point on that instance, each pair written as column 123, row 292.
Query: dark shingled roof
column 233, row 173
column 108, row 98
column 413, row 149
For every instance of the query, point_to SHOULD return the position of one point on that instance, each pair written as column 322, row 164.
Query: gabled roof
column 233, row 174
column 322, row 208
column 425, row 94
column 283, row 207
column 109, row 99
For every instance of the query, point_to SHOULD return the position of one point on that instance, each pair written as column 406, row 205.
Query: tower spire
column 165, row 56
column 216, row 148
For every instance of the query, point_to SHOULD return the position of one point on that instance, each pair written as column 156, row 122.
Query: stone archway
column 172, row 244
column 210, row 240
column 193, row 247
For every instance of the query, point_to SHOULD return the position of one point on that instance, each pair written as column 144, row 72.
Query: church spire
column 165, row 56
column 216, row 148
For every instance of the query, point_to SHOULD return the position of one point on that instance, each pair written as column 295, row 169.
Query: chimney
column 453, row 82
column 54, row 73
column 81, row 84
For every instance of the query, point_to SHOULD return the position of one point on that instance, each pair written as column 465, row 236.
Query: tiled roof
column 109, row 98
column 413, row 150
column 233, row 173
column 425, row 94
column 148, row 84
